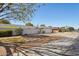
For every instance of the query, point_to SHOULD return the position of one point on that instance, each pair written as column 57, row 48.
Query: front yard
column 14, row 39
column 29, row 41
column 47, row 44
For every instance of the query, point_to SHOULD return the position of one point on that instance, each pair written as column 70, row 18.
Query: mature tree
column 71, row 29
column 78, row 29
column 4, row 21
column 62, row 29
column 49, row 26
column 67, row 29
column 29, row 24
column 42, row 25
column 17, row 11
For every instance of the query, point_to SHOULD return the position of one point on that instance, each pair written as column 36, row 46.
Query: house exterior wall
column 46, row 30
column 55, row 31
column 30, row 31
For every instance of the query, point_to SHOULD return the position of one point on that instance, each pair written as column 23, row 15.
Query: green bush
column 19, row 31
column 43, row 32
column 4, row 33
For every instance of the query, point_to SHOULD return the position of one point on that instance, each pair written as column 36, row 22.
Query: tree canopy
column 67, row 29
column 71, row 29
column 42, row 25
column 29, row 24
column 18, row 11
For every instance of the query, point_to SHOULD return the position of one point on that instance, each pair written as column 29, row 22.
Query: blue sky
column 57, row 14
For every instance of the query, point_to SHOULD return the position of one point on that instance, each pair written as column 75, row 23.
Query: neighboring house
column 29, row 29
column 26, row 29
column 45, row 29
column 49, row 29
column 55, row 29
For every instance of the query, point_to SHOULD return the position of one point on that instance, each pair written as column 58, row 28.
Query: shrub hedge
column 5, row 33
column 19, row 31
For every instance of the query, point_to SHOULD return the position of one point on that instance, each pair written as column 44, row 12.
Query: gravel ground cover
column 62, row 44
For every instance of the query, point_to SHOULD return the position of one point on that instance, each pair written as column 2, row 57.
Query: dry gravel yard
column 55, row 44
column 33, row 41
column 29, row 41
column 64, row 34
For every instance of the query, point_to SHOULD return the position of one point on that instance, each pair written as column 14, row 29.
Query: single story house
column 45, row 30
column 26, row 29
column 48, row 29
column 29, row 29
column 55, row 29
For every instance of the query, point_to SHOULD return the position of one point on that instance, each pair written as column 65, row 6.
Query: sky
column 57, row 15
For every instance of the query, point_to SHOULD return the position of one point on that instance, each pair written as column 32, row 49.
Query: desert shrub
column 43, row 31
column 29, row 24
column 19, row 31
column 71, row 29
column 60, row 30
column 4, row 33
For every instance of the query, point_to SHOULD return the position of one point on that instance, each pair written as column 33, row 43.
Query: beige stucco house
column 55, row 29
